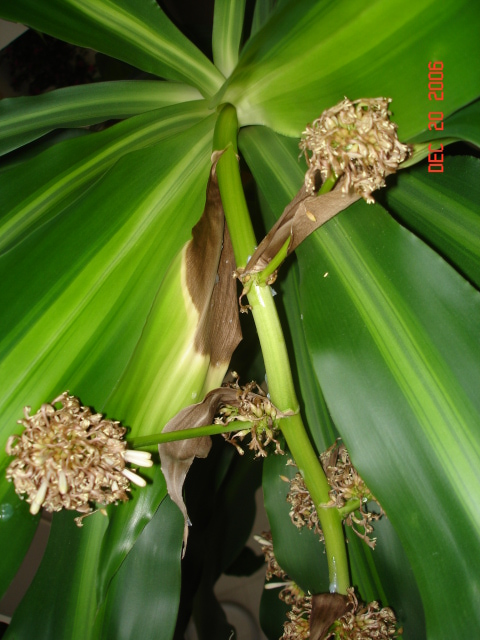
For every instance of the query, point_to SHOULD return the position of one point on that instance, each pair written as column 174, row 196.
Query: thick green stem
column 277, row 364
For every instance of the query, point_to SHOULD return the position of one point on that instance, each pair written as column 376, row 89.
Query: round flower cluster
column 68, row 457
column 356, row 140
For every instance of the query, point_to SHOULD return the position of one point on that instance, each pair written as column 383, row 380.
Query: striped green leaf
column 386, row 319
column 443, row 209
column 75, row 330
column 25, row 119
column 62, row 604
column 45, row 186
column 144, row 596
column 227, row 33
column 311, row 54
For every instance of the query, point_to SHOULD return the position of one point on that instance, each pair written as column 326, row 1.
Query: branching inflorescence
column 358, row 622
column 348, row 493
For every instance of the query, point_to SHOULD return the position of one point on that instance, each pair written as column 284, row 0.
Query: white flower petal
column 128, row 473
column 140, row 458
column 39, row 497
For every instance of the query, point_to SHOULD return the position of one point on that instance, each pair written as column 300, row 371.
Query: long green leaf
column 136, row 32
column 396, row 327
column 84, row 307
column 17, row 528
column 137, row 399
column 227, row 33
column 93, row 364
column 126, row 523
column 45, row 612
column 25, row 119
column 40, row 189
column 144, row 597
column 311, row 54
column 443, row 209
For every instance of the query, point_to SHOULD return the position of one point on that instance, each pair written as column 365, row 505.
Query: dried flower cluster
column 273, row 568
column 251, row 405
column 297, row 626
column 348, row 490
column 348, row 493
column 302, row 510
column 298, row 618
column 364, row 622
column 356, row 140
column 68, row 457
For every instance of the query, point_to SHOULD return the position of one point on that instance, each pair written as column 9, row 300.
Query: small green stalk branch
column 351, row 506
column 262, row 277
column 277, row 364
column 328, row 184
column 185, row 434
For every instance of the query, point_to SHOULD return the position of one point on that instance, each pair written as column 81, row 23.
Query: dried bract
column 68, row 457
column 355, row 139
column 364, row 622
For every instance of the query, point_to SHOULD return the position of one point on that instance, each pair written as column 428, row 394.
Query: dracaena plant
column 120, row 316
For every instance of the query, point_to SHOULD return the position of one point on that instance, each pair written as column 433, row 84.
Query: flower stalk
column 155, row 439
column 272, row 341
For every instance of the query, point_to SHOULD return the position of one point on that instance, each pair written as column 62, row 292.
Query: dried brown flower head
column 355, row 139
column 68, row 457
column 364, row 622
column 251, row 405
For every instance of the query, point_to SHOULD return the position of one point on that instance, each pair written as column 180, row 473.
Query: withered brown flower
column 356, row 140
column 302, row 509
column 297, row 625
column 68, row 457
